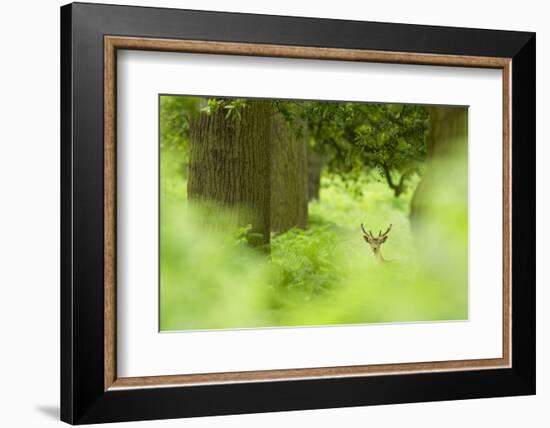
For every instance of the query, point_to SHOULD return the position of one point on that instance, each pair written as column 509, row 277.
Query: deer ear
column 366, row 238
column 385, row 238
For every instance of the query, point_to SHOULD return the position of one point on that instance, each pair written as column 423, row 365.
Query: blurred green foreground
column 323, row 275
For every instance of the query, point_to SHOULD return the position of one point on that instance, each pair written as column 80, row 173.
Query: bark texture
column 230, row 164
column 289, row 178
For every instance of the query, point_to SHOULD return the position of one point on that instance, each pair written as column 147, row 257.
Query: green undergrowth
column 323, row 275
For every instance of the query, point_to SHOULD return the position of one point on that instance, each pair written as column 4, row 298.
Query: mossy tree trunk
column 289, row 177
column 230, row 165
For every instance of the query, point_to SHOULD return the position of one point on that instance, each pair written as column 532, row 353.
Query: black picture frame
column 83, row 398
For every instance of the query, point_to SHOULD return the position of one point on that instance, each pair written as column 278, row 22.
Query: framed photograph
column 265, row 213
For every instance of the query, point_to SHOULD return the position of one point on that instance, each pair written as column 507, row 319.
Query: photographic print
column 282, row 213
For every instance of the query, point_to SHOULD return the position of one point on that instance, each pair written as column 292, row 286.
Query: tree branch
column 387, row 174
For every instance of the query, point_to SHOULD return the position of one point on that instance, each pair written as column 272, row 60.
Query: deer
column 376, row 242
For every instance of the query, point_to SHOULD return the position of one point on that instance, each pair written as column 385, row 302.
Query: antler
column 369, row 233
column 381, row 235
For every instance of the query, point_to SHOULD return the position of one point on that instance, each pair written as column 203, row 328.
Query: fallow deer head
column 376, row 242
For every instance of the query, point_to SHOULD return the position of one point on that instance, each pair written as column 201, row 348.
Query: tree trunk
column 314, row 167
column 445, row 175
column 289, row 185
column 230, row 165
column 398, row 187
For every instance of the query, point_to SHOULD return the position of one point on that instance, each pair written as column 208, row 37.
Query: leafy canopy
column 352, row 137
